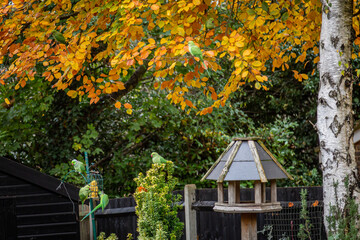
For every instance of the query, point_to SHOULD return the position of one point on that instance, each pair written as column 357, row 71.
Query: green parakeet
column 210, row 23
column 78, row 166
column 59, row 37
column 156, row 158
column 104, row 200
column 196, row 52
column 84, row 193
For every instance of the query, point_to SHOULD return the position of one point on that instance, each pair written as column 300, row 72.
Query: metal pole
column 92, row 216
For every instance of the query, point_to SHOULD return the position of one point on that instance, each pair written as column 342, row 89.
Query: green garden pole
column 91, row 201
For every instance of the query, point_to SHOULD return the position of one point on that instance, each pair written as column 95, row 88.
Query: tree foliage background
column 124, row 85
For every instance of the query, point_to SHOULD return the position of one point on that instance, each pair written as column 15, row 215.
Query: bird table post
column 92, row 217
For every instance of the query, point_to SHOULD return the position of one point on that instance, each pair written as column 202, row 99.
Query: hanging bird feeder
column 247, row 159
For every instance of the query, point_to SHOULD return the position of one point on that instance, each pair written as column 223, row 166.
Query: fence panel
column 120, row 218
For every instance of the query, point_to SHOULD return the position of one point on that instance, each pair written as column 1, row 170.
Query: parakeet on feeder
column 104, row 200
column 84, row 193
column 78, row 166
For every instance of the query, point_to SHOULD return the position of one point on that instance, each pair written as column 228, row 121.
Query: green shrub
column 305, row 228
column 102, row 236
column 343, row 223
column 156, row 205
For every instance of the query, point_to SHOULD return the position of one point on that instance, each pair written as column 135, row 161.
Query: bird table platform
column 247, row 159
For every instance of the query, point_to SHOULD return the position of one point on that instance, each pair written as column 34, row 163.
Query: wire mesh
column 285, row 224
column 96, row 183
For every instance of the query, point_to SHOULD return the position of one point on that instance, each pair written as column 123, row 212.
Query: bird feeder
column 243, row 160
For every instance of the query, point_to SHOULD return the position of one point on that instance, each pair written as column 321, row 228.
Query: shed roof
column 38, row 178
column 246, row 159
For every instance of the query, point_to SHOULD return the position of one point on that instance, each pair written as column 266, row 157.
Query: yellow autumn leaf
column 197, row 2
column 232, row 49
column 181, row 31
column 129, row 111
column 57, row 75
column 246, row 53
column 256, row 64
column 257, row 85
column 108, row 90
column 244, row 74
column 304, row 76
column 72, row 93
column 151, row 41
column 7, row 101
column 259, row 78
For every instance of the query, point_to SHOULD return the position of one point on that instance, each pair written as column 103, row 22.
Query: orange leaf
column 290, row 204
column 316, row 203
column 155, row 7
column 114, row 77
column 127, row 106
column 118, row 105
column 214, row 96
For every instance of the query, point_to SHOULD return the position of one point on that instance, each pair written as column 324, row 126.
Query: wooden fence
column 120, row 218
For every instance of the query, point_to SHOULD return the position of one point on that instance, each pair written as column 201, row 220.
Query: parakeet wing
column 59, row 37
column 104, row 200
column 195, row 50
column 84, row 193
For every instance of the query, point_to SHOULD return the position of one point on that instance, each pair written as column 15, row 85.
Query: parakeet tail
column 96, row 208
column 206, row 68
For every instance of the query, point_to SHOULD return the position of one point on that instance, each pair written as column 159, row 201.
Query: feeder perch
column 243, row 160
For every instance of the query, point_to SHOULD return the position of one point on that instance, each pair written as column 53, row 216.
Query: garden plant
column 157, row 207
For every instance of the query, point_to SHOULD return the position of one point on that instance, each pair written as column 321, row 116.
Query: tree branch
column 134, row 80
column 125, row 151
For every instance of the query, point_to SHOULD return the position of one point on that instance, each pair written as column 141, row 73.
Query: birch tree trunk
column 334, row 111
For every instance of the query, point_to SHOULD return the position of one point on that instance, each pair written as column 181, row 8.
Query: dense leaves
column 60, row 57
column 89, row 48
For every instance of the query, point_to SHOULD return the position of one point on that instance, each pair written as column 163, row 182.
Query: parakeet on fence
column 196, row 52
column 156, row 158
column 84, row 193
column 59, row 37
column 78, row 166
column 104, row 201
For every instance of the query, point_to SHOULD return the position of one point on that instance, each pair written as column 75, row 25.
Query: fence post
column 84, row 225
column 190, row 214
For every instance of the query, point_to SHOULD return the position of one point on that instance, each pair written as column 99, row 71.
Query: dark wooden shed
column 32, row 208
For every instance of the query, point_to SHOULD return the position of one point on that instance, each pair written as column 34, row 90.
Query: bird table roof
column 246, row 159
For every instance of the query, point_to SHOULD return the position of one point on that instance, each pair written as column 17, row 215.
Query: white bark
column 334, row 112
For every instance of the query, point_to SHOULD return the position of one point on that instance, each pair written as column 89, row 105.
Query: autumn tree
column 106, row 47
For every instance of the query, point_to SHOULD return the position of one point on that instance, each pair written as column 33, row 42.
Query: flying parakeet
column 104, row 200
column 78, row 166
column 210, row 23
column 196, row 52
column 156, row 158
column 59, row 37
column 84, row 193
